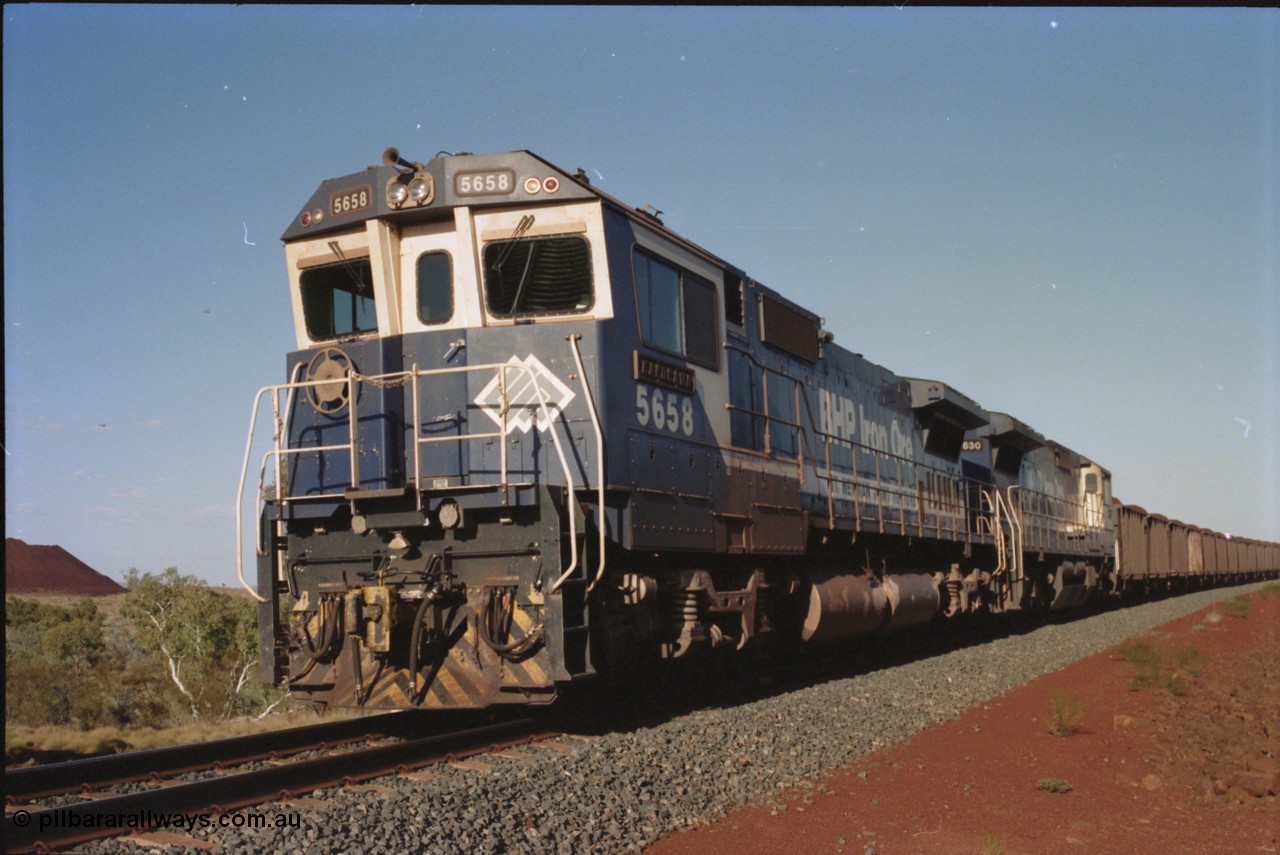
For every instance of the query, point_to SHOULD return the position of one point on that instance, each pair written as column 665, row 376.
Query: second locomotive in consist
column 530, row 434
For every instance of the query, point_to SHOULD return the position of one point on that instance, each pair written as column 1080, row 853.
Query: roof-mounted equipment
column 412, row 185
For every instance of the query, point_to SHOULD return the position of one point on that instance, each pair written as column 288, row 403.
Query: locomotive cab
column 447, row 319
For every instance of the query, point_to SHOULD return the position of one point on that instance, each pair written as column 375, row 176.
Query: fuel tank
column 845, row 605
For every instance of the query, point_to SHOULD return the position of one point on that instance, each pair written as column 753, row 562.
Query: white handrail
column 244, row 474
column 595, row 424
column 280, row 439
column 501, row 368
column 571, row 500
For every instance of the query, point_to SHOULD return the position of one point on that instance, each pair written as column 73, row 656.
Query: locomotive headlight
column 396, row 194
column 420, row 190
column 450, row 515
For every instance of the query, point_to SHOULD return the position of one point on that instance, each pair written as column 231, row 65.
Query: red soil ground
column 1151, row 770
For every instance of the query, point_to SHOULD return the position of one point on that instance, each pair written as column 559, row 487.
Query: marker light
column 305, row 219
column 532, row 186
column 551, row 184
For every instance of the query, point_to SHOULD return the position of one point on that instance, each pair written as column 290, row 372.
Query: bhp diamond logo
column 525, row 378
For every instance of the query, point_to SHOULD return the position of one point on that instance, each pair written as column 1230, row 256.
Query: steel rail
column 24, row 785
column 80, row 823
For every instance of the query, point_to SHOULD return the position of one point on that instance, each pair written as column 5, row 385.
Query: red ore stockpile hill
column 51, row 570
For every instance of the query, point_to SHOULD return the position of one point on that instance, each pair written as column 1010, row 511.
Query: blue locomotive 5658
column 530, row 435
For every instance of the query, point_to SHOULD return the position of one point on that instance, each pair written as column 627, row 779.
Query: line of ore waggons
column 530, row 435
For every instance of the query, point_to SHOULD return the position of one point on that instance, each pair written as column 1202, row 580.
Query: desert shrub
column 1068, row 710
column 1238, row 606
column 1189, row 659
column 1162, row 669
column 51, row 653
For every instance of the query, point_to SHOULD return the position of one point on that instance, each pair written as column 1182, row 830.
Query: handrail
column 244, row 474
column 1049, row 527
column 1016, row 527
column 501, row 368
column 595, row 425
column 997, row 529
column 280, row 440
column 280, row 424
column 1005, row 516
column 570, row 502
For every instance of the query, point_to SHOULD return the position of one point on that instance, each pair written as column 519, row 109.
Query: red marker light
column 551, row 184
column 305, row 218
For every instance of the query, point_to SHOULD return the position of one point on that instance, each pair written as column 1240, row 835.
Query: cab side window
column 677, row 310
column 658, row 292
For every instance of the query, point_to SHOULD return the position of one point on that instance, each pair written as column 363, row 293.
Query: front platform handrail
column 412, row 378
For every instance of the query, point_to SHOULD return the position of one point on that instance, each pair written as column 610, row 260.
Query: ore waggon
column 530, row 435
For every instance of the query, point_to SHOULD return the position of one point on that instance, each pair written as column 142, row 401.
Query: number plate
column 351, row 201
column 490, row 182
column 664, row 374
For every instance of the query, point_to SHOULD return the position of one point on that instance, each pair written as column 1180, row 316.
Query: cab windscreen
column 337, row 299
column 527, row 277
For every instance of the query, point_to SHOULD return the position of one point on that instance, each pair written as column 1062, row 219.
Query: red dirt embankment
column 1192, row 768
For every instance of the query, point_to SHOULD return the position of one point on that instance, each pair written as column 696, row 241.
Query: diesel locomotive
column 531, row 435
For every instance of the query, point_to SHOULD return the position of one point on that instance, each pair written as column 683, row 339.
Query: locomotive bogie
column 530, row 435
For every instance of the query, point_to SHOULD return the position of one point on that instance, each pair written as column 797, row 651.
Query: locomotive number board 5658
column 495, row 182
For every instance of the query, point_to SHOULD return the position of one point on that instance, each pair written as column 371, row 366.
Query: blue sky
column 1069, row 215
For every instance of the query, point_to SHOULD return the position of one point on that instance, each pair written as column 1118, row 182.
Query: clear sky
column 1069, row 215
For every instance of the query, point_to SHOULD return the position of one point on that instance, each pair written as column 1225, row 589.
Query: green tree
column 205, row 640
column 76, row 642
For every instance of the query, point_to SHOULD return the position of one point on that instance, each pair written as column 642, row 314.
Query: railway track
column 97, row 773
column 35, row 828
